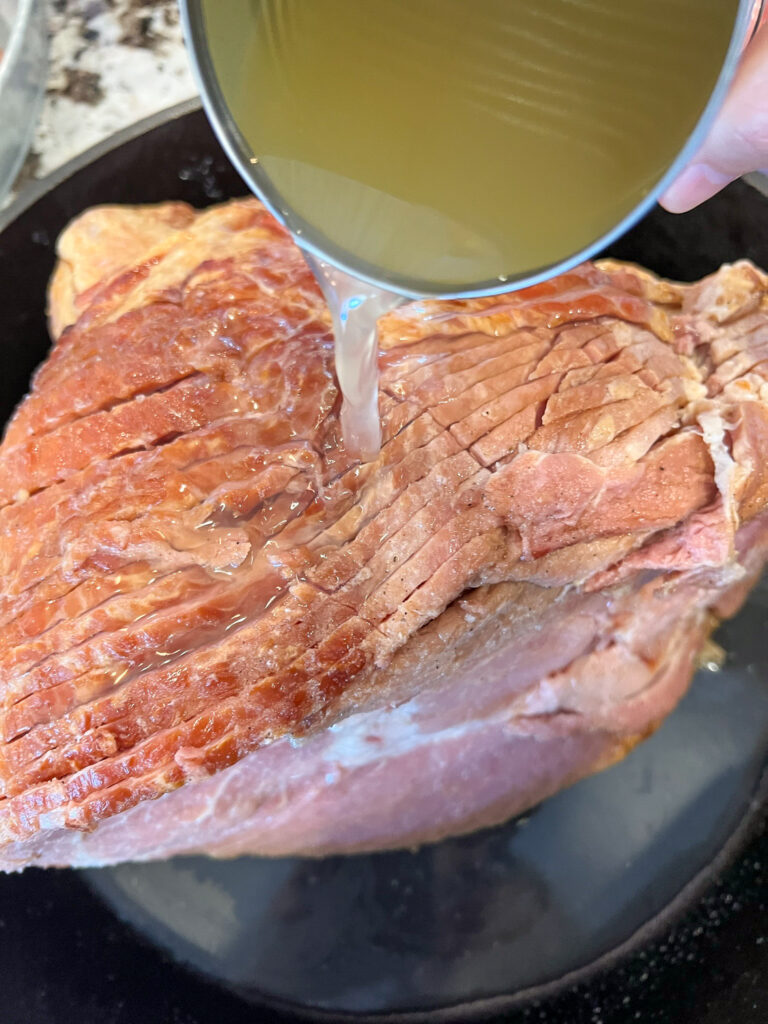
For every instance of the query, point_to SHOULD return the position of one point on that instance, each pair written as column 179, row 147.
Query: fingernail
column 697, row 183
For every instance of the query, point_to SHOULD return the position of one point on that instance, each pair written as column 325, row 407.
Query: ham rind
column 221, row 633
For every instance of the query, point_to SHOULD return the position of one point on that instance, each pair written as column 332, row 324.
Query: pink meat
column 221, row 633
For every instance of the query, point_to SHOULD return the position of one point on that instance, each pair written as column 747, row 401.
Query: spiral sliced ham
column 222, row 633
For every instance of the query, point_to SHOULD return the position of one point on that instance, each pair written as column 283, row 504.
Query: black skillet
column 638, row 895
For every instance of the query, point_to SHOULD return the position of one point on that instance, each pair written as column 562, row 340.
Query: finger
column 737, row 143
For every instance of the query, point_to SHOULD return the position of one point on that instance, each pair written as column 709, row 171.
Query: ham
column 222, row 633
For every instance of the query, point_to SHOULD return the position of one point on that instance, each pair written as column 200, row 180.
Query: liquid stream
column 355, row 307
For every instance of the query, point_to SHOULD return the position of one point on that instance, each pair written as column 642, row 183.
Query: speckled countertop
column 112, row 62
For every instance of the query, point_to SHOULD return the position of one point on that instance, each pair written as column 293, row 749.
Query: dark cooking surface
column 453, row 921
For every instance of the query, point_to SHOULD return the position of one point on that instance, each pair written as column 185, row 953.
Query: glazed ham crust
column 220, row 632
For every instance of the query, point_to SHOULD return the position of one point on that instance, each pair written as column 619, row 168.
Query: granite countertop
column 112, row 62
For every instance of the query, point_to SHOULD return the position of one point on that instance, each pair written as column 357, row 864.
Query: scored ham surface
column 221, row 633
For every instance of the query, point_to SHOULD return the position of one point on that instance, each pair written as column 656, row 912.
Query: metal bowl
column 23, row 72
column 193, row 19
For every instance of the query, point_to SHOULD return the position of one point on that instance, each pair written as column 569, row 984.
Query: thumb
column 737, row 143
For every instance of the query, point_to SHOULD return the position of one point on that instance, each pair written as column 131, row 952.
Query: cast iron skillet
column 634, row 896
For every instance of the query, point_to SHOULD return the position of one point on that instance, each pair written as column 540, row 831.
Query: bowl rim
column 28, row 35
column 18, row 35
column 38, row 188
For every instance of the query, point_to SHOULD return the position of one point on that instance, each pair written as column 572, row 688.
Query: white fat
column 713, row 429
column 751, row 387
column 543, row 699
column 365, row 737
column 360, row 739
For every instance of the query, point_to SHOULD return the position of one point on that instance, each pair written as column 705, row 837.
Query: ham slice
column 221, row 633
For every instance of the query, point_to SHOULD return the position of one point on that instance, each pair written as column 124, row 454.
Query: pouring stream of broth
column 355, row 308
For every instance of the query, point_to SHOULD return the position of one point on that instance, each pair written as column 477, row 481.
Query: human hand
column 737, row 142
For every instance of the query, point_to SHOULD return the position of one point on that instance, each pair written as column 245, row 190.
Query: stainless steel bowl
column 747, row 20
column 23, row 67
